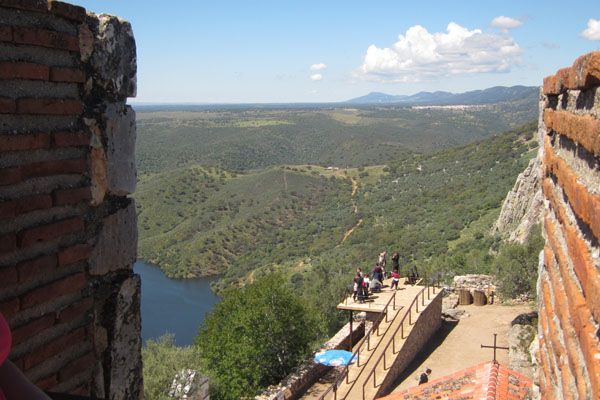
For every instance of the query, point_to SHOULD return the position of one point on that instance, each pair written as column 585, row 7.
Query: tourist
column 378, row 272
column 366, row 284
column 425, row 376
column 383, row 263
column 13, row 384
column 396, row 261
column 375, row 285
column 358, row 284
column 395, row 279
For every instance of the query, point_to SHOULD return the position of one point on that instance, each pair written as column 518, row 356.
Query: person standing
column 395, row 279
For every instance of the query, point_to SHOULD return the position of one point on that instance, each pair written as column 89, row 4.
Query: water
column 173, row 305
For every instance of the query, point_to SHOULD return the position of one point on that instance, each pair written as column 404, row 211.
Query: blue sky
column 320, row 51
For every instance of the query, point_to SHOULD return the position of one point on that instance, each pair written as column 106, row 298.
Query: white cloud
column 316, row 77
column 419, row 55
column 593, row 30
column 503, row 22
column 318, row 67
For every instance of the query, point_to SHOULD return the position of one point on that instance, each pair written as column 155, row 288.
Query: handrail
column 346, row 371
column 401, row 325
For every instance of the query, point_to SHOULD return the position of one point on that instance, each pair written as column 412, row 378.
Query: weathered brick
column 68, row 139
column 10, row 307
column 8, row 276
column 31, row 203
column 53, row 348
column 24, row 70
column 45, row 38
column 49, row 231
column 7, row 209
column 65, row 74
column 53, row 290
column 10, row 176
column 76, row 366
column 32, row 328
column 71, row 196
column 65, row 10
column 8, row 243
column 47, row 383
column 6, row 33
column 29, row 5
column 586, row 71
column 24, row 142
column 583, row 129
column 75, row 253
column 49, row 106
column 564, row 79
column 40, row 266
column 54, row 167
column 7, row 106
column 74, row 310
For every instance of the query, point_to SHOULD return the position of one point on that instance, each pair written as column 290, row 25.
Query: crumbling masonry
column 68, row 234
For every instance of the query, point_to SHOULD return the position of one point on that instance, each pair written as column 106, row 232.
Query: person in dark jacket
column 425, row 376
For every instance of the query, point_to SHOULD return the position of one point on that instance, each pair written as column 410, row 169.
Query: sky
column 289, row 51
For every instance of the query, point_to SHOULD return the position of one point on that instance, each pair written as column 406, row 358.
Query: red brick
column 65, row 74
column 37, row 267
column 7, row 209
column 45, row 38
column 10, row 176
column 8, row 243
column 47, row 383
column 31, row 203
column 29, row 5
column 54, row 167
column 73, row 311
column 24, row 70
column 32, row 328
column 53, row 348
column 564, row 78
column 71, row 196
column 49, row 231
column 8, row 276
column 24, row 142
column 74, row 254
column 6, row 33
column 49, row 106
column 76, row 366
column 65, row 10
column 68, row 139
column 549, row 86
column 586, row 71
column 584, row 130
column 7, row 106
column 53, row 290
column 10, row 307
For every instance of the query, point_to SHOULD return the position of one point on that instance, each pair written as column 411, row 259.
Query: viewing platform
column 403, row 320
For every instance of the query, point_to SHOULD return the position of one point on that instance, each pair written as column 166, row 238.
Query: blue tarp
column 334, row 357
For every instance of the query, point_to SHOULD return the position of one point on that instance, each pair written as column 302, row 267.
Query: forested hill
column 196, row 218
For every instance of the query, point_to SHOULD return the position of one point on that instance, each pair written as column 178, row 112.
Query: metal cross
column 494, row 347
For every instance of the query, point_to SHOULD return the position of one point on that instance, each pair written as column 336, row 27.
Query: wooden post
column 350, row 331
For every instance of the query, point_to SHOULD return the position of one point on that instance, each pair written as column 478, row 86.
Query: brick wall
column 68, row 233
column 569, row 281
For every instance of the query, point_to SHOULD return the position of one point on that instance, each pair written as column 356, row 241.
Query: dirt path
column 354, row 189
column 457, row 345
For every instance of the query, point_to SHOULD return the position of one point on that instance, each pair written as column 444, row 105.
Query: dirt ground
column 457, row 345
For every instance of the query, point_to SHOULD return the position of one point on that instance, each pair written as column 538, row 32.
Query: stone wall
column 427, row 324
column 569, row 278
column 68, row 233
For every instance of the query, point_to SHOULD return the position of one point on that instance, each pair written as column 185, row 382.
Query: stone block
column 114, row 56
column 120, row 152
column 116, row 246
column 126, row 343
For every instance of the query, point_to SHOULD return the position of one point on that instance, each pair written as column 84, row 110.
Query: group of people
column 363, row 283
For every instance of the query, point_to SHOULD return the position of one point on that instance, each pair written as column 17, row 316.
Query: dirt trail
column 457, row 345
column 354, row 189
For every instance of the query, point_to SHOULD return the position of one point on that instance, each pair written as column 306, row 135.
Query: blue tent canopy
column 334, row 357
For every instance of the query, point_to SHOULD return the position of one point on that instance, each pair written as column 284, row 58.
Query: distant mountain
column 492, row 95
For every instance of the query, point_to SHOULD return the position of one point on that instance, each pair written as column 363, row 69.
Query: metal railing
column 400, row 327
column 345, row 372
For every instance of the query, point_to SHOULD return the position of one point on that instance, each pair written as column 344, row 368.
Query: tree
column 162, row 360
column 255, row 336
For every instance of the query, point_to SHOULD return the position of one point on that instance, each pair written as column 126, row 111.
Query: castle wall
column 68, row 233
column 569, row 281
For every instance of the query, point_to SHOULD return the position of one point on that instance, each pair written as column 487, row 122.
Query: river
column 169, row 305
